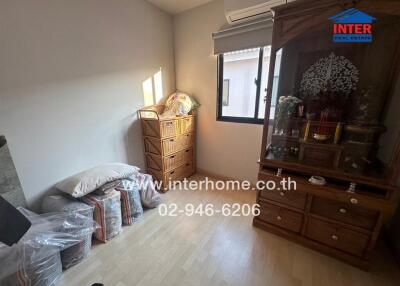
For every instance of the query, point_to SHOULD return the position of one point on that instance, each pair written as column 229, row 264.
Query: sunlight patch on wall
column 153, row 89
column 148, row 92
column 158, row 86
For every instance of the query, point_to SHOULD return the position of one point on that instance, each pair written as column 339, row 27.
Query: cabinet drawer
column 186, row 124
column 281, row 217
column 177, row 159
column 291, row 198
column 336, row 236
column 183, row 171
column 170, row 162
column 169, row 128
column 169, row 146
column 179, row 173
column 178, row 143
column 344, row 212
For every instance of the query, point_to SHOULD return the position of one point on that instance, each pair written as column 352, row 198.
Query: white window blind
column 245, row 36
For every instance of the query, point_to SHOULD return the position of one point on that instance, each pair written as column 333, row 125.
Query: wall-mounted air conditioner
column 239, row 11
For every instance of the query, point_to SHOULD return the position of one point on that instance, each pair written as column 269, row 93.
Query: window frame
column 220, row 84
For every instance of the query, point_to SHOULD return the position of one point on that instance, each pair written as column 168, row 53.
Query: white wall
column 71, row 75
column 225, row 149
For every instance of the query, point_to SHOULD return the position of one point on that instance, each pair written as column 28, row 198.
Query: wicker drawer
column 336, row 236
column 169, row 146
column 173, row 161
column 281, row 217
column 186, row 124
column 291, row 198
column 160, row 129
column 169, row 128
column 178, row 143
column 344, row 212
column 177, row 174
column 159, row 163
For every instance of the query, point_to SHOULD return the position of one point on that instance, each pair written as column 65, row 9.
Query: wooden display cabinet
column 344, row 130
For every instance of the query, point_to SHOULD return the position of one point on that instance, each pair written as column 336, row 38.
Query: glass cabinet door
column 330, row 106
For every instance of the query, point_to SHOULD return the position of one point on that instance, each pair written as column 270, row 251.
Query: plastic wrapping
column 35, row 259
column 60, row 203
column 45, row 272
column 107, row 213
column 131, row 206
column 150, row 198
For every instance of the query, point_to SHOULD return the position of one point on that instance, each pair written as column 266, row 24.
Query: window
column 242, row 85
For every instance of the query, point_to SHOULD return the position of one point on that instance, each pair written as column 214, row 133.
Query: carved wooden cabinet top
column 332, row 103
column 297, row 17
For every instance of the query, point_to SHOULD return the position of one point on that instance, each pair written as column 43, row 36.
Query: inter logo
column 352, row 26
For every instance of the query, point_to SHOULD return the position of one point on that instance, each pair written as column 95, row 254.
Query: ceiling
column 177, row 6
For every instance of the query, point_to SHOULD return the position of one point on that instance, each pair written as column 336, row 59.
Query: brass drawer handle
column 342, row 210
column 171, row 173
column 172, row 157
column 187, row 151
column 334, row 237
column 354, row 201
column 282, row 194
column 171, row 140
column 278, row 218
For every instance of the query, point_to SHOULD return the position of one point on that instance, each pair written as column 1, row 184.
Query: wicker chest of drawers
column 169, row 145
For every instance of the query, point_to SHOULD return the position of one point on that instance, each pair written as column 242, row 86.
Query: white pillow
column 87, row 181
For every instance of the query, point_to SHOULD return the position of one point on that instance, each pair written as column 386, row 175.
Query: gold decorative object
column 307, row 131
column 338, row 133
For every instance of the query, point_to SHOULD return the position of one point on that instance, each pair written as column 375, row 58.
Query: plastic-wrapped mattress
column 61, row 203
column 107, row 213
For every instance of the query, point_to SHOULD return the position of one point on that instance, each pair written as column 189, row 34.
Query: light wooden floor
column 216, row 251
